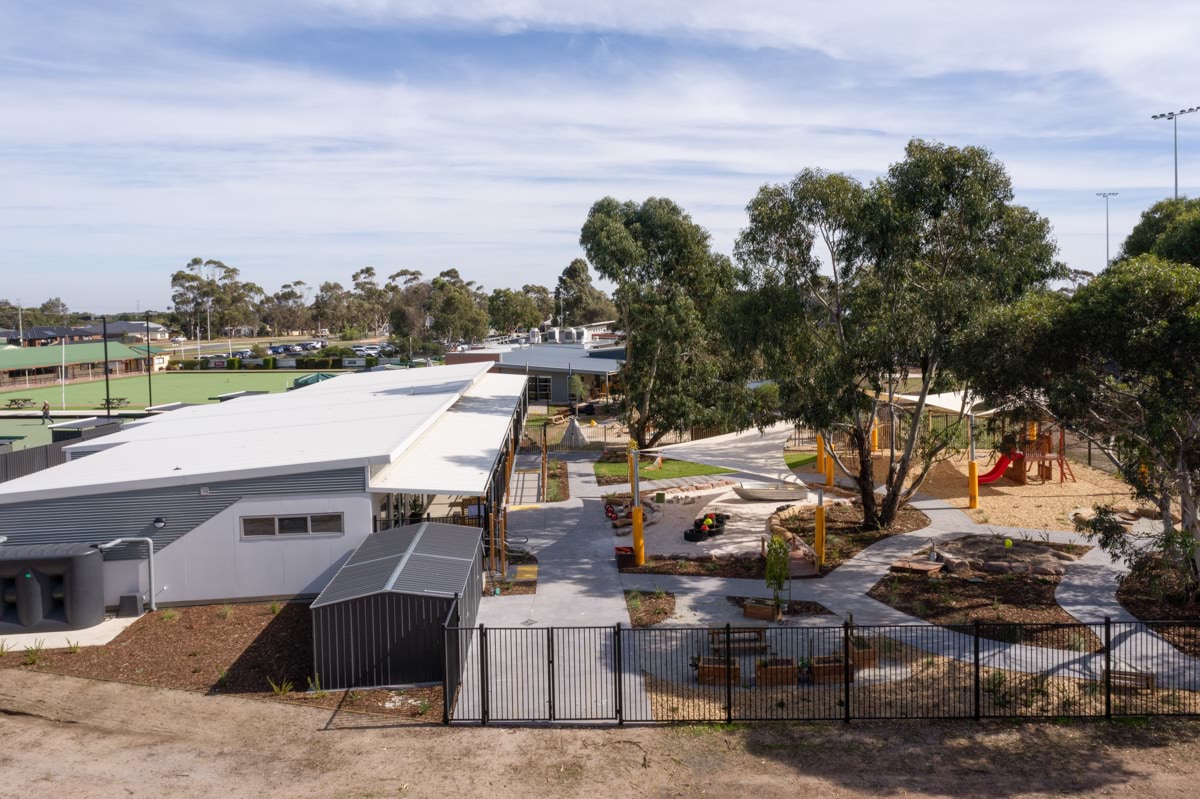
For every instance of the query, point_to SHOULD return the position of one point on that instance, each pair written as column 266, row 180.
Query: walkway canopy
column 951, row 402
column 752, row 452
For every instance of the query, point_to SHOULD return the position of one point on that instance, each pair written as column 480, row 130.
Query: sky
column 309, row 138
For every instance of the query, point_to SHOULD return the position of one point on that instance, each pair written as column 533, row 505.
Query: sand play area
column 743, row 532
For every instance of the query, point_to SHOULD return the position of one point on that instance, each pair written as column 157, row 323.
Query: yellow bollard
column 828, row 470
column 972, row 485
column 874, row 438
column 639, row 541
column 820, row 454
column 819, row 536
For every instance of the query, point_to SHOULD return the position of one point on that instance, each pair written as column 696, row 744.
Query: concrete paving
column 99, row 635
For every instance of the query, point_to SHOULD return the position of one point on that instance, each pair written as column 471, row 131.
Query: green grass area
column 168, row 387
column 670, row 468
column 35, row 435
column 798, row 460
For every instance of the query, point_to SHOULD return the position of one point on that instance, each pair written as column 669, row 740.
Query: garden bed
column 225, row 649
column 1153, row 593
column 558, row 486
column 646, row 610
column 795, row 607
column 752, row 568
column 844, row 533
column 991, row 599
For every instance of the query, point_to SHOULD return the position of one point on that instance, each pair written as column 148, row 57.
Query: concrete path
column 579, row 586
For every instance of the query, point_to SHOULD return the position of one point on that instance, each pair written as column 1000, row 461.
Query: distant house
column 43, row 335
column 130, row 330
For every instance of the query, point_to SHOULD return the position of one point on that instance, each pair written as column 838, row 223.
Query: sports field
column 168, row 387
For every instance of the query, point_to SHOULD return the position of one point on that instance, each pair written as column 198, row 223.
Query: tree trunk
column 866, row 479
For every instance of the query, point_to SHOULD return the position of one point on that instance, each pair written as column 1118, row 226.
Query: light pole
column 1106, row 195
column 1174, row 117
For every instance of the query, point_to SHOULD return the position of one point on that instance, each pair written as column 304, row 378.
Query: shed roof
column 423, row 559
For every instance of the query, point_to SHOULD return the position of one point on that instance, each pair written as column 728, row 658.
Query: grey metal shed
column 379, row 620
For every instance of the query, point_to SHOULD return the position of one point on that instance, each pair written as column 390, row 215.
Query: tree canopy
column 908, row 263
column 579, row 302
column 1169, row 229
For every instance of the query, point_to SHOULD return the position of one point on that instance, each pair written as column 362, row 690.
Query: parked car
column 179, row 339
column 359, row 351
column 244, row 354
column 371, row 349
column 295, row 348
column 311, row 346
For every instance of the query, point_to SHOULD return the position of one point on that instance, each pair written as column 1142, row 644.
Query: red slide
column 998, row 470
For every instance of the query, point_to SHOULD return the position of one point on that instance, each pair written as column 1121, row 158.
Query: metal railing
column 807, row 673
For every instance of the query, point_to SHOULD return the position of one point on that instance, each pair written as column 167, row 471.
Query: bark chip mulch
column 1152, row 592
column 751, row 568
column 646, row 610
column 994, row 600
column 795, row 607
column 226, row 649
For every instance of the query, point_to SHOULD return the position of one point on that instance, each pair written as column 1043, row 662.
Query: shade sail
column 752, row 452
column 948, row 402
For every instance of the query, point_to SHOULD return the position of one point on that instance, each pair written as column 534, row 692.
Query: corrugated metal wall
column 96, row 518
column 388, row 638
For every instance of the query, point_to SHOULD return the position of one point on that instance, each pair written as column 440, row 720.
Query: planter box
column 776, row 671
column 829, row 668
column 625, row 558
column 864, row 656
column 768, row 611
column 711, row 671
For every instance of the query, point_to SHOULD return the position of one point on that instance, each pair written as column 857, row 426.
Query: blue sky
column 303, row 140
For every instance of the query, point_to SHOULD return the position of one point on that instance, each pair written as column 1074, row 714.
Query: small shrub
column 170, row 615
column 222, row 678
column 281, row 688
column 33, row 654
column 659, row 593
column 422, row 707
column 314, row 685
column 225, row 611
column 73, row 647
column 275, row 607
column 3, row 648
column 353, row 696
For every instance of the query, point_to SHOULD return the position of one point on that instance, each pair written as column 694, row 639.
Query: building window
column 538, row 388
column 292, row 525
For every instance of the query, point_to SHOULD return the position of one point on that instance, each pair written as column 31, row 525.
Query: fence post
column 1107, row 667
column 550, row 667
column 617, row 671
column 445, row 675
column 483, row 675
column 728, row 674
column 978, row 692
column 847, row 669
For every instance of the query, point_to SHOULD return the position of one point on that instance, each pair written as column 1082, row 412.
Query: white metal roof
column 352, row 420
column 457, row 453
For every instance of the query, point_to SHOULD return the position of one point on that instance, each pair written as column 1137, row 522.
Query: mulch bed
column 1153, row 593
column 844, row 533
column 224, row 649
column 795, row 607
column 725, row 566
column 646, row 610
column 558, row 486
column 997, row 599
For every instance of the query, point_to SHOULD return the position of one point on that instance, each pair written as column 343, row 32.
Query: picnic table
column 19, row 403
column 114, row 402
column 747, row 639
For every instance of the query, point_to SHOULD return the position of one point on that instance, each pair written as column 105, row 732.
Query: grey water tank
column 50, row 588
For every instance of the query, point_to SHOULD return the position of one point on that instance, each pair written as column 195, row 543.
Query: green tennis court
column 168, row 387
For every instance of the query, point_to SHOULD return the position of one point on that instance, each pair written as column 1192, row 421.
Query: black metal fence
column 730, row 674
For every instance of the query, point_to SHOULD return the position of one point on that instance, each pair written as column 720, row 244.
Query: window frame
column 276, row 534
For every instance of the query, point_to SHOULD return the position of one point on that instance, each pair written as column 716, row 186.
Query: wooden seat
column 1130, row 678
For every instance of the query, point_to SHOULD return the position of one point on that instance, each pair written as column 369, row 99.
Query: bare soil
column 68, row 737
column 225, row 649
column 720, row 566
column 647, row 610
column 994, row 600
column 845, row 535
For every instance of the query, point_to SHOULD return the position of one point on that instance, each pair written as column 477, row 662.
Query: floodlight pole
column 1174, row 117
column 107, row 395
column 149, row 366
column 1106, row 195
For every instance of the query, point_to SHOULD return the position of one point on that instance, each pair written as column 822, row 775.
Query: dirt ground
column 63, row 736
column 1042, row 506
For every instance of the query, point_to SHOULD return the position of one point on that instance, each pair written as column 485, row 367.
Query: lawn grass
column 670, row 468
column 168, row 387
column 33, row 433
column 798, row 460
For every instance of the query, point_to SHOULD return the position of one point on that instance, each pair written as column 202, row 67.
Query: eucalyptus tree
column 906, row 264
column 670, row 286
